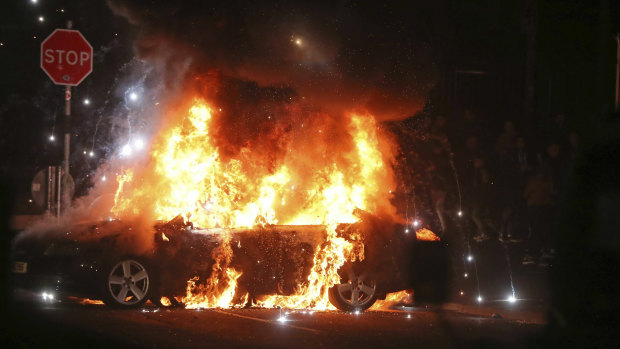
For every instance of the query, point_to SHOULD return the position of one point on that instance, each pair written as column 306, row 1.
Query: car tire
column 357, row 290
column 128, row 283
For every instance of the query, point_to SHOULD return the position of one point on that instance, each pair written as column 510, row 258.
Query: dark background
column 524, row 61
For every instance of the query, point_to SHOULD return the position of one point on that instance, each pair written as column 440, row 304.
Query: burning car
column 292, row 210
column 264, row 266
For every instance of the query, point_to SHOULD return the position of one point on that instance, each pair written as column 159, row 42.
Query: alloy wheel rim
column 358, row 291
column 128, row 282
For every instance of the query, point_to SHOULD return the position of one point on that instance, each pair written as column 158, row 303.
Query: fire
column 426, row 235
column 165, row 301
column 312, row 178
column 219, row 289
column 328, row 258
column 405, row 297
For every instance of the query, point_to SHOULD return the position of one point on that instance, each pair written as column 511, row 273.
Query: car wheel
column 357, row 290
column 128, row 283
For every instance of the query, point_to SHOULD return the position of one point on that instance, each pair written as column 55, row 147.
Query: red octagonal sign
column 66, row 57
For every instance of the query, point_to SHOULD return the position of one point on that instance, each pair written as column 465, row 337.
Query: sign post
column 67, row 58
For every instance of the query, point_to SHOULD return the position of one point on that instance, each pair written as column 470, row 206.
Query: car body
column 103, row 261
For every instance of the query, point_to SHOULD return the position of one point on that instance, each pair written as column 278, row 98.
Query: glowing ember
column 84, row 301
column 165, row 301
column 405, row 297
column 426, row 235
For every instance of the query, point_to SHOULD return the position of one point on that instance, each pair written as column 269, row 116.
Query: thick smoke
column 338, row 55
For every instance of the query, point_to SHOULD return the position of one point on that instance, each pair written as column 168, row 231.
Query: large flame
column 318, row 176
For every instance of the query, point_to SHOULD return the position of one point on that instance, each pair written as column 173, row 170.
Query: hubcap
column 358, row 290
column 128, row 282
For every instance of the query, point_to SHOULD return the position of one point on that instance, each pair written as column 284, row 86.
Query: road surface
column 35, row 324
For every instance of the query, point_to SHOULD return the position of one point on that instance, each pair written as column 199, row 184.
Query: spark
column 416, row 223
column 406, row 231
column 41, row 19
column 126, row 150
column 357, row 312
column 282, row 319
column 86, row 101
column 138, row 143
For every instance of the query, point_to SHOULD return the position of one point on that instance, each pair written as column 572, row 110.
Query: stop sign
column 66, row 57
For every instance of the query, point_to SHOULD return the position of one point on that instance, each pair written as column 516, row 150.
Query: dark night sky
column 384, row 55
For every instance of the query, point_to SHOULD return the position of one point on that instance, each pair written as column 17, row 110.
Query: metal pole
column 67, row 126
column 50, row 189
column 60, row 187
column 65, row 195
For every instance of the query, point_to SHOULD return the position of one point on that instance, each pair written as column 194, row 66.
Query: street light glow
column 52, row 138
column 511, row 299
column 41, row 19
column 133, row 96
column 86, row 101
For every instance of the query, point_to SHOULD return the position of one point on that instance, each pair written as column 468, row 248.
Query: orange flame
column 392, row 299
column 426, row 235
column 311, row 182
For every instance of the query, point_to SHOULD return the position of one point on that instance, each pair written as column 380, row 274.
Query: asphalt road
column 60, row 325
